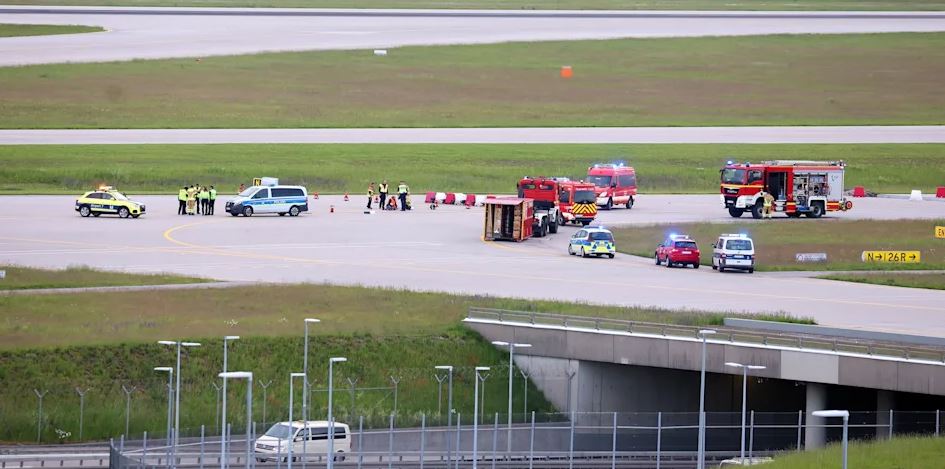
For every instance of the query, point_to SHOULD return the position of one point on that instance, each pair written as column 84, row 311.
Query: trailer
column 508, row 219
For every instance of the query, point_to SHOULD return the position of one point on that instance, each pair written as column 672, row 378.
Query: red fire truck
column 558, row 200
column 577, row 201
column 616, row 184
column 809, row 188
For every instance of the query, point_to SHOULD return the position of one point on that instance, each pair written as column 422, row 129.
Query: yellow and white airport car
column 106, row 199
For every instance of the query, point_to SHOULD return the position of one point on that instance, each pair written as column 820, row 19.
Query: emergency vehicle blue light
column 729, row 162
column 673, row 236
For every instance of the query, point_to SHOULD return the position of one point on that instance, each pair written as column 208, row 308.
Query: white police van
column 269, row 197
column 733, row 252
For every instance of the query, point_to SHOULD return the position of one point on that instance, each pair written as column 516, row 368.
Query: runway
column 151, row 33
column 563, row 135
column 442, row 250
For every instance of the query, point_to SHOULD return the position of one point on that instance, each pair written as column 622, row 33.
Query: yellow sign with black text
column 940, row 232
column 896, row 257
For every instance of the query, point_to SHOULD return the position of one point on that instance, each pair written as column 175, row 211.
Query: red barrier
column 431, row 196
column 470, row 200
column 450, row 198
column 859, row 191
column 940, row 192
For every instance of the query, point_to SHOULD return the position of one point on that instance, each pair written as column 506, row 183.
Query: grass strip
column 900, row 453
column 28, row 278
column 679, row 168
column 13, row 30
column 778, row 240
column 855, row 79
column 931, row 281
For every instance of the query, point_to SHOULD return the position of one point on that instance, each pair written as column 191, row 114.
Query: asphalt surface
column 780, row 134
column 150, row 33
column 442, row 250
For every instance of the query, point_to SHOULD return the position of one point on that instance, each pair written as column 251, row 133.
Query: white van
column 311, row 440
column 269, row 199
column 734, row 252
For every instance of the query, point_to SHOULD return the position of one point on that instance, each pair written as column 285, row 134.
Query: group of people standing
column 196, row 199
column 391, row 203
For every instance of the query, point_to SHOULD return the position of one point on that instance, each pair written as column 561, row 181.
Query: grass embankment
column 897, row 453
column 101, row 341
column 799, row 5
column 912, row 280
column 23, row 278
column 858, row 79
column 140, row 169
column 12, row 30
column 778, row 240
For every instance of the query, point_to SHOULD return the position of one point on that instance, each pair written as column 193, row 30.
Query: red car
column 678, row 250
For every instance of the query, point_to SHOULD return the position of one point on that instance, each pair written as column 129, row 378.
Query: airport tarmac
column 151, row 33
column 442, row 250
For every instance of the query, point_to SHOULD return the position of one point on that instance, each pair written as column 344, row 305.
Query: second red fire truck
column 810, row 188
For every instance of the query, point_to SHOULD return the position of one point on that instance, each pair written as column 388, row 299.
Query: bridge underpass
column 589, row 365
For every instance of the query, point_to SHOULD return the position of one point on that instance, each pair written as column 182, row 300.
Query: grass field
column 859, row 79
column 23, row 278
column 795, row 5
column 931, row 281
column 12, row 30
column 898, row 453
column 778, row 240
column 466, row 168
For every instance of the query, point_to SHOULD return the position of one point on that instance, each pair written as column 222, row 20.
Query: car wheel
column 123, row 212
column 610, row 204
column 756, row 210
column 735, row 212
column 570, row 251
column 721, row 269
column 610, row 256
column 629, row 203
column 669, row 263
column 281, row 214
column 657, row 257
column 695, row 266
column 714, row 267
column 553, row 227
column 583, row 252
column 751, row 271
column 247, row 211
column 816, row 210
column 85, row 210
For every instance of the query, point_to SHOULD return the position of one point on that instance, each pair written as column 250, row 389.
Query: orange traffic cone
column 332, row 209
column 346, row 196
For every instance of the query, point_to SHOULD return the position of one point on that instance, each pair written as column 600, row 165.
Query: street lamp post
column 845, row 415
column 744, row 369
column 291, row 406
column 305, row 370
column 170, row 401
column 331, row 420
column 475, row 454
column 511, row 346
column 179, row 344
column 700, row 464
column 248, row 376
column 449, row 412
column 224, row 439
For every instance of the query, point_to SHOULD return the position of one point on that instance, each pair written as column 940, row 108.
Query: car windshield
column 686, row 244
column 118, row 195
column 584, row 197
column 600, row 181
column 279, row 431
column 733, row 176
column 738, row 244
column 602, row 236
column 248, row 192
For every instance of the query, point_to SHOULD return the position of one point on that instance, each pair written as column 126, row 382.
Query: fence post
column 390, row 443
column 800, row 423
column 203, row 433
column 890, row 423
column 937, row 414
column 531, row 443
column 39, row 416
column 659, row 438
column 751, row 437
column 495, row 437
column 613, row 446
column 459, row 430
column 144, row 449
column 423, row 437
column 360, row 441
column 571, row 444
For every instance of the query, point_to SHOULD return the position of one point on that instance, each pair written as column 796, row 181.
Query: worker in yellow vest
column 182, row 201
column 204, row 200
column 213, row 199
column 382, row 192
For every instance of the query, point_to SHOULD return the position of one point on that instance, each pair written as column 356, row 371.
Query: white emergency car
column 734, row 252
column 308, row 439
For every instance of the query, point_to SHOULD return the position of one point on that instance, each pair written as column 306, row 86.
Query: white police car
column 592, row 241
column 734, row 252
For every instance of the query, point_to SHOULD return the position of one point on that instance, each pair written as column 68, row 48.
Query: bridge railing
column 724, row 334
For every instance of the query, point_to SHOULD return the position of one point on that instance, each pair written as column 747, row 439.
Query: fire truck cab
column 577, row 201
column 810, row 188
column 543, row 191
column 615, row 184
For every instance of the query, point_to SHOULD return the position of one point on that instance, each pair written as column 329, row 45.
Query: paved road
column 190, row 32
column 441, row 251
column 783, row 134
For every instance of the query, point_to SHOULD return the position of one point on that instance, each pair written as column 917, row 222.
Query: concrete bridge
column 587, row 364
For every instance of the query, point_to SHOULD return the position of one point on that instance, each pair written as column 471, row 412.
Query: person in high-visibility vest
column 382, row 191
column 182, row 201
column 402, row 193
column 203, row 198
column 370, row 195
column 767, row 205
column 213, row 199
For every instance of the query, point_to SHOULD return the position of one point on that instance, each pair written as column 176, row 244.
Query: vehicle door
column 577, row 240
column 662, row 247
column 94, row 200
column 109, row 204
column 261, row 201
column 626, row 184
column 717, row 251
